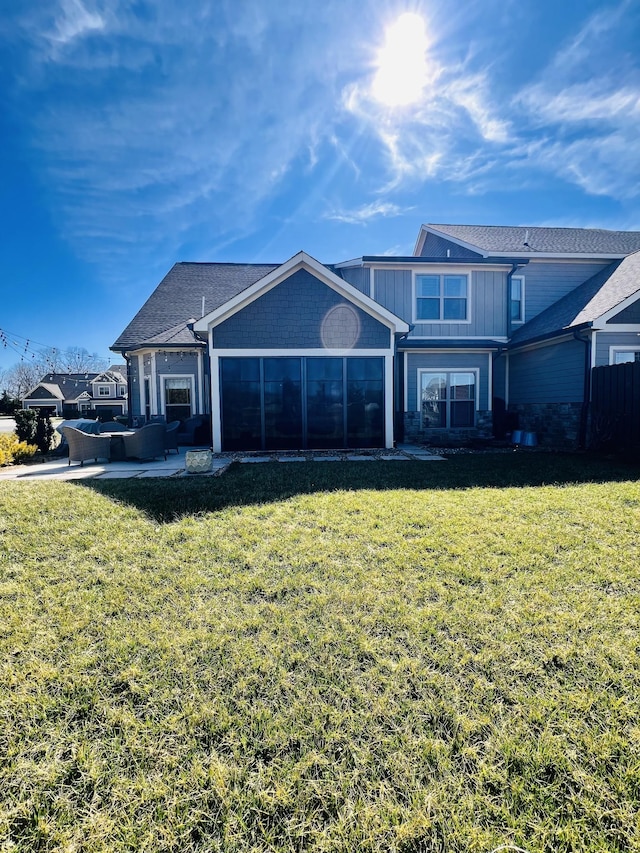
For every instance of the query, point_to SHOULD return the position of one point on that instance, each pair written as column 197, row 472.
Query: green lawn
column 389, row 657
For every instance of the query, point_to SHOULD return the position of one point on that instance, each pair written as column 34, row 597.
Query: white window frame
column 104, row 390
column 190, row 377
column 519, row 278
column 476, row 373
column 122, row 391
column 441, row 274
column 613, row 351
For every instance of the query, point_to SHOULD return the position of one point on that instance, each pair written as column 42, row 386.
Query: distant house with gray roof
column 72, row 394
column 479, row 321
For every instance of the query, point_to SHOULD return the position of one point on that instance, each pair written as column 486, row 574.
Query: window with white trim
column 447, row 398
column 122, row 390
column 625, row 356
column 177, row 399
column 104, row 391
column 517, row 299
column 442, row 298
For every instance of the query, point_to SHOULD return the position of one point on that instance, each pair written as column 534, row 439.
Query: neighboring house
column 481, row 319
column 73, row 393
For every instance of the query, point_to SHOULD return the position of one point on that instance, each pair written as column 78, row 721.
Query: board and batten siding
column 487, row 304
column 357, row 277
column 604, row 340
column 548, row 374
column 446, row 361
column 134, row 386
column 548, row 281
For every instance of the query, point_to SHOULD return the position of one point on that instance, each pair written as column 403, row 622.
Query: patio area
column 175, row 464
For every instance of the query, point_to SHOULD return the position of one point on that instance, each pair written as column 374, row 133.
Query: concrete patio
column 175, row 464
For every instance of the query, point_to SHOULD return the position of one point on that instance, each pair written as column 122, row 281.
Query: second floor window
column 104, row 391
column 442, row 297
column 517, row 299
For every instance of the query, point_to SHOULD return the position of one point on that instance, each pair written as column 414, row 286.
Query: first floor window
column 177, row 399
column 627, row 356
column 441, row 297
column 447, row 399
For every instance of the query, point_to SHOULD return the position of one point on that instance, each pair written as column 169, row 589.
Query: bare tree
column 23, row 376
column 80, row 360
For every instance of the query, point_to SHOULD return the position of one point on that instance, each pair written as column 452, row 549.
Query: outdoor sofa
column 148, row 442
column 84, row 446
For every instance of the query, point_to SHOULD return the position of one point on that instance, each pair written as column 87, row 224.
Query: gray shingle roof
column 178, row 298
column 533, row 240
column 598, row 295
column 63, row 386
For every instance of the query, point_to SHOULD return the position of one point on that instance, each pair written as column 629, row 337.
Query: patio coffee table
column 117, row 444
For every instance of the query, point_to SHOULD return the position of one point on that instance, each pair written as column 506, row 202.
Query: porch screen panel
column 365, row 402
column 283, row 403
column 177, row 399
column 241, row 409
column 325, row 402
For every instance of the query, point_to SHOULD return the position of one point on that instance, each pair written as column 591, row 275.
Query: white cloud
column 587, row 104
column 74, row 21
column 366, row 213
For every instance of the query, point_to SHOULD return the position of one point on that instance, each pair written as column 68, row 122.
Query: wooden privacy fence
column 615, row 406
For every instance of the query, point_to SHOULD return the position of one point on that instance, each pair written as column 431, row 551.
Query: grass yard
column 388, row 657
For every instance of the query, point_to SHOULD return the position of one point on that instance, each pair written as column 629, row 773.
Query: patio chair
column 146, row 443
column 171, row 437
column 189, row 428
column 83, row 446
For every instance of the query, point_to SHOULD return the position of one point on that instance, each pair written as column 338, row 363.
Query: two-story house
column 373, row 350
column 71, row 394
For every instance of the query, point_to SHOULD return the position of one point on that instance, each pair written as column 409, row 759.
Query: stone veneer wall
column 415, row 433
column 556, row 424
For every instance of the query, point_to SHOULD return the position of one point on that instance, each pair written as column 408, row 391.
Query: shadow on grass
column 166, row 500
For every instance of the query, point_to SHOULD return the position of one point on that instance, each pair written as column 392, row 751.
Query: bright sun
column 402, row 62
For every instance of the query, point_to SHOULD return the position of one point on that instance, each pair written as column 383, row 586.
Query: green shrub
column 8, row 404
column 44, row 432
column 26, row 425
column 13, row 451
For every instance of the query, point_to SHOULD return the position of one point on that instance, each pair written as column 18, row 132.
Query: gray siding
column 358, row 277
column 551, row 374
column 546, row 282
column 298, row 314
column 631, row 314
column 134, row 386
column 173, row 364
column 393, row 289
column 604, row 340
column 500, row 377
column 446, row 361
column 436, row 247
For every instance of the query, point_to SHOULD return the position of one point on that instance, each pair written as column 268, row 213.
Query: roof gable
column 45, row 391
column 300, row 261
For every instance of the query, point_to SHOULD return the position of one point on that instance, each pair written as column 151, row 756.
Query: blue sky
column 136, row 134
